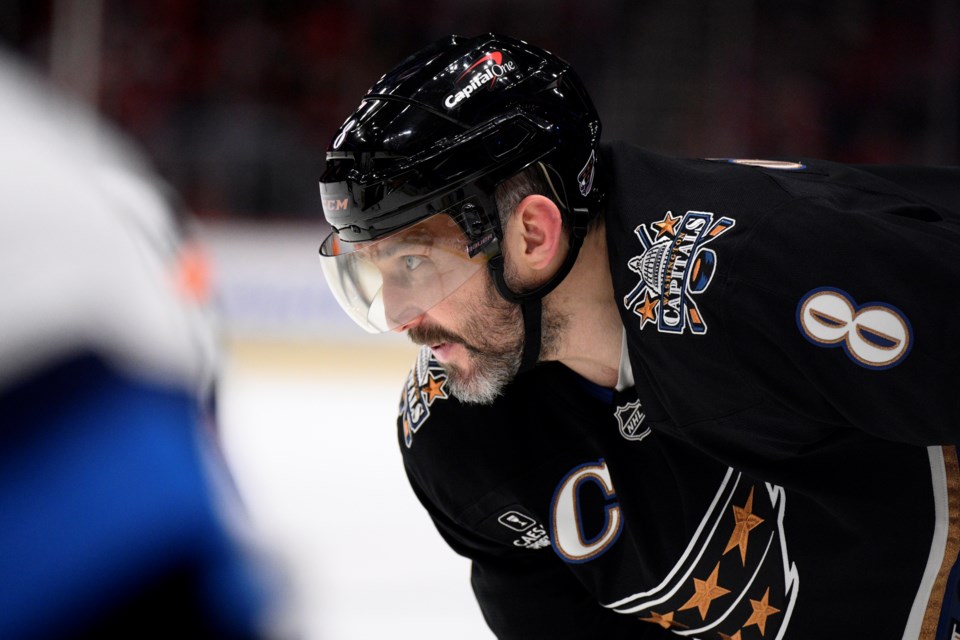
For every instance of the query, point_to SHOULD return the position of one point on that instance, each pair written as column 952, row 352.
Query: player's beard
column 492, row 334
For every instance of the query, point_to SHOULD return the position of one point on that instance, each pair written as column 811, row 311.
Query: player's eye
column 412, row 262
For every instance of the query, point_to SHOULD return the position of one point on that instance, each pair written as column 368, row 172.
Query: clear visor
column 387, row 283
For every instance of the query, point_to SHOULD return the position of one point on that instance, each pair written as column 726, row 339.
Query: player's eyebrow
column 390, row 248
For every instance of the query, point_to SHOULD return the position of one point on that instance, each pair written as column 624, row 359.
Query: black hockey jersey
column 772, row 308
column 806, row 295
column 777, row 471
column 582, row 522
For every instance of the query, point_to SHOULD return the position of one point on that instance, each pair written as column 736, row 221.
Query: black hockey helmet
column 434, row 137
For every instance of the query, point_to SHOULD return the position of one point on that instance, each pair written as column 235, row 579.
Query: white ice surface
column 314, row 454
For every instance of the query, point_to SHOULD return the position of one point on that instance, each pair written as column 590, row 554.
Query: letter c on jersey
column 875, row 336
column 569, row 538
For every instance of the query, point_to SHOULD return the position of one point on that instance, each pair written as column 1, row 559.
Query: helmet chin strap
column 532, row 333
column 531, row 302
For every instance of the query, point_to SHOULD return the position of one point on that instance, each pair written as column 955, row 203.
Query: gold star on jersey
column 426, row 383
column 713, row 591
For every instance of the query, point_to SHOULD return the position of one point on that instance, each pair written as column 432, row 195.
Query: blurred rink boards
column 307, row 408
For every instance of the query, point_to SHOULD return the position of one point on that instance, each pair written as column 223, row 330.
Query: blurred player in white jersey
column 116, row 512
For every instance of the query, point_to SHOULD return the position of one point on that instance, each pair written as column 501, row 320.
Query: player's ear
column 534, row 238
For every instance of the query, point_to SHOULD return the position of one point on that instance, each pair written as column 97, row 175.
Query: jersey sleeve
column 847, row 313
column 529, row 596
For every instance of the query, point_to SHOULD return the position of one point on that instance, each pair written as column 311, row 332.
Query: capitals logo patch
column 674, row 267
column 426, row 383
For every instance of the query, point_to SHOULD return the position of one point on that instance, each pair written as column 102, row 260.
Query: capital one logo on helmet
column 490, row 68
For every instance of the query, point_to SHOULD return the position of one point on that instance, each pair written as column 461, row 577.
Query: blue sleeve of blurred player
column 107, row 520
column 115, row 510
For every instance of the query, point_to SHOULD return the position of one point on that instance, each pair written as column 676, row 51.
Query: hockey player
column 743, row 423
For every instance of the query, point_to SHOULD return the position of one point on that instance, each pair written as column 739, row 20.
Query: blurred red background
column 235, row 101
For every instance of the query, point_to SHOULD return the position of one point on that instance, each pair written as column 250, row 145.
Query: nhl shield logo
column 630, row 419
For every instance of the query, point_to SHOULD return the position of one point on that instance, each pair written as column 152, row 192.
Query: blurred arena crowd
column 235, row 101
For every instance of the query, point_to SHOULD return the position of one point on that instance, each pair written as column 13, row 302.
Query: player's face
column 392, row 281
column 476, row 335
column 425, row 280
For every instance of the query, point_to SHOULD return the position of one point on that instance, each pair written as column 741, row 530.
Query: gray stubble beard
column 496, row 345
column 496, row 358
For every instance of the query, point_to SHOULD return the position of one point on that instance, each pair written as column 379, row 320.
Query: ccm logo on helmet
column 493, row 68
column 336, row 204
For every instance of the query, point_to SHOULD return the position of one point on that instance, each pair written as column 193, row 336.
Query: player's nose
column 400, row 307
column 410, row 324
